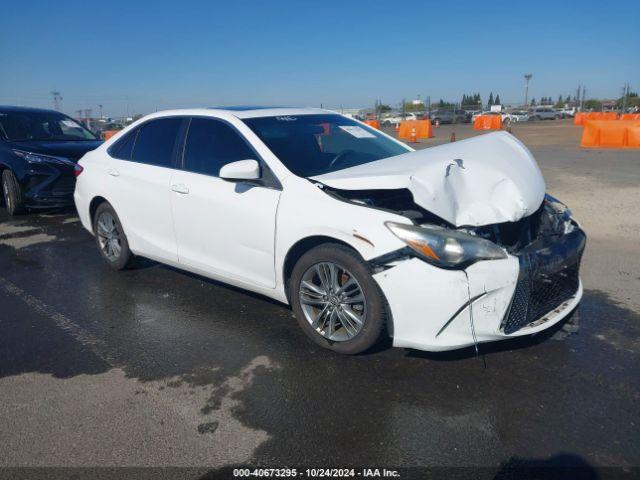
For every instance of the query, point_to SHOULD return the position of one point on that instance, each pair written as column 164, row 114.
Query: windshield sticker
column 356, row 131
column 69, row 123
column 286, row 119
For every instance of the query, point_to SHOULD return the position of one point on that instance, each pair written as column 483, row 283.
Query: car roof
column 14, row 109
column 252, row 111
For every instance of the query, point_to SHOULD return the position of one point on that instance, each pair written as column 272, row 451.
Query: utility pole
column 625, row 95
column 577, row 100
column 57, row 98
column 100, row 107
column 87, row 115
column 584, row 92
column 527, row 77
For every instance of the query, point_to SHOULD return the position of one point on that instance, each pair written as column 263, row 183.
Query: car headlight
column 559, row 207
column 446, row 248
column 39, row 158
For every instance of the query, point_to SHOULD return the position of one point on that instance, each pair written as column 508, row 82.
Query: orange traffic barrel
column 422, row 128
column 109, row 133
column 373, row 123
column 488, row 122
column 607, row 134
column 581, row 118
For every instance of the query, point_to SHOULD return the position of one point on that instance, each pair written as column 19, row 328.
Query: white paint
column 241, row 170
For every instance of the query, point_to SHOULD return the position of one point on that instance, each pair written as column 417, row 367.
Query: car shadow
column 558, row 467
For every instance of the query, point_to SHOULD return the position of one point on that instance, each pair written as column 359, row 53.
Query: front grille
column 548, row 278
column 64, row 186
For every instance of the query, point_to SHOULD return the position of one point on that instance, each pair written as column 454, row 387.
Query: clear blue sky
column 139, row 56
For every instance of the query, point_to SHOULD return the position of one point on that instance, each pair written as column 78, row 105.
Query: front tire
column 110, row 238
column 11, row 193
column 336, row 301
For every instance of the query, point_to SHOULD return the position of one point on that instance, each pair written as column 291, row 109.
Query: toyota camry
column 361, row 235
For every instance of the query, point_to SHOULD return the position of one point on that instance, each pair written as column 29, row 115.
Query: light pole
column 527, row 77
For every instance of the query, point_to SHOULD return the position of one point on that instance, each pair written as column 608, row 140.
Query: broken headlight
column 446, row 248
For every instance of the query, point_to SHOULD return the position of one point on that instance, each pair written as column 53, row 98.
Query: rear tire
column 321, row 318
column 110, row 238
column 11, row 193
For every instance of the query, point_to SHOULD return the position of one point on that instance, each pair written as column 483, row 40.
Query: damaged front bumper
column 435, row 309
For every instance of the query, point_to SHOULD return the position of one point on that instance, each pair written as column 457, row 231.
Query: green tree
column 533, row 102
column 490, row 101
column 560, row 102
column 592, row 104
column 411, row 107
column 632, row 100
column 498, row 100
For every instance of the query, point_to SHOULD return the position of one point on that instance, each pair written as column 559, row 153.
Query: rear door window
column 211, row 144
column 123, row 148
column 156, row 142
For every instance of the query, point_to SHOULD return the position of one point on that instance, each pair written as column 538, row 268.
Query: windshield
column 311, row 145
column 49, row 126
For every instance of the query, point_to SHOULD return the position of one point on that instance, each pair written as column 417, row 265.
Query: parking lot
column 157, row 367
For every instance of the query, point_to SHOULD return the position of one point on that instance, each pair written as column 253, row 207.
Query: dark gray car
column 449, row 116
column 544, row 113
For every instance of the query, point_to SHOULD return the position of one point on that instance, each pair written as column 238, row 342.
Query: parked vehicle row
column 533, row 114
column 448, row 116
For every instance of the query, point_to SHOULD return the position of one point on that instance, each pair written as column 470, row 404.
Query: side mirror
column 241, row 170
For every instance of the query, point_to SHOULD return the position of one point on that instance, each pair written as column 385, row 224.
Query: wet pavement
column 157, row 367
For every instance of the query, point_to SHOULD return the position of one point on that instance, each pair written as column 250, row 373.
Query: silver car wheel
column 109, row 236
column 333, row 301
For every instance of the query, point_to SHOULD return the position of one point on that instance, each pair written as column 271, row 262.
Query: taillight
column 77, row 169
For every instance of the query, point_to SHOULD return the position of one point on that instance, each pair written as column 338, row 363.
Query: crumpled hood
column 491, row 178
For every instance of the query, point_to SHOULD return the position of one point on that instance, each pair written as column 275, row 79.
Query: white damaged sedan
column 439, row 249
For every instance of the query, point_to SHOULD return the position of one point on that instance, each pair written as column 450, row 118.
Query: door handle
column 113, row 172
column 180, row 188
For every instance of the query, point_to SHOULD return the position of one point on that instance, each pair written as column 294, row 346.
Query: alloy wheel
column 109, row 236
column 333, row 301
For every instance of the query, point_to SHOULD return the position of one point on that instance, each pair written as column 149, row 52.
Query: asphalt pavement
column 158, row 367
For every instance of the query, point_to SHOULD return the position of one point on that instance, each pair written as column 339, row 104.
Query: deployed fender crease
column 487, row 179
